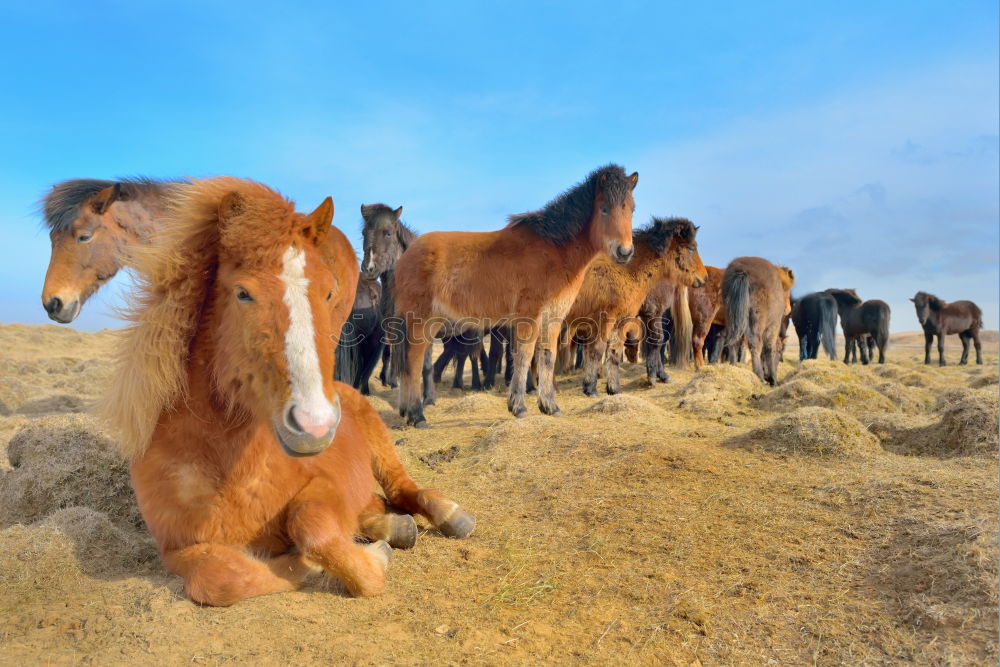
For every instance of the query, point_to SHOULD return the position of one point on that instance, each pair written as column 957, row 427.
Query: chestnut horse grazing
column 757, row 297
column 92, row 224
column 940, row 319
column 526, row 275
column 251, row 466
column 612, row 294
column 96, row 225
column 860, row 320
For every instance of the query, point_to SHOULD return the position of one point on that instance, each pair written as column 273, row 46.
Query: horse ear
column 633, row 180
column 398, row 212
column 364, row 210
column 318, row 222
column 913, row 300
column 106, row 198
column 230, row 206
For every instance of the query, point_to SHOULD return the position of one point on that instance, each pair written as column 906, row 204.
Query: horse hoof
column 429, row 401
column 421, row 424
column 402, row 531
column 381, row 550
column 521, row 412
column 459, row 525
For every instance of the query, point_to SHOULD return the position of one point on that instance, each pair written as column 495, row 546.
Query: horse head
column 384, row 239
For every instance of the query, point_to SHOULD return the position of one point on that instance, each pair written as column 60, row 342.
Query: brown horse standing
column 663, row 295
column 225, row 403
column 757, row 298
column 940, row 319
column 860, row 320
column 706, row 302
column 612, row 293
column 526, row 275
column 92, row 224
column 96, row 225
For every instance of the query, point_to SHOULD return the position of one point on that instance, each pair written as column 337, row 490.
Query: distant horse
column 940, row 319
column 612, row 293
column 756, row 296
column 705, row 302
column 225, row 403
column 815, row 320
column 95, row 227
column 361, row 341
column 92, row 224
column 525, row 275
column 859, row 320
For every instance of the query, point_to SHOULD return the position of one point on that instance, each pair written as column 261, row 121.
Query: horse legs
column 460, row 356
column 447, row 355
column 524, row 348
column 220, row 575
column 863, row 347
column 548, row 342
column 377, row 523
column 371, row 350
column 928, row 341
column 812, row 344
column 652, row 346
column 940, row 346
column 848, row 348
column 613, row 376
column 966, row 339
column 979, row 346
column 430, row 389
column 323, row 531
column 410, row 404
column 592, row 353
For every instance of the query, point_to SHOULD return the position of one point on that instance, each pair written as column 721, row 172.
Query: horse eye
column 387, row 234
column 604, row 210
column 243, row 295
column 84, row 238
column 329, row 296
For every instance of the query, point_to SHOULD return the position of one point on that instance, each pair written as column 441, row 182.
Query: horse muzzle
column 621, row 253
column 61, row 311
column 300, row 434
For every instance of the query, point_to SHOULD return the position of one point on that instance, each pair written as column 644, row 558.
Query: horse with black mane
column 815, row 320
column 939, row 318
column 860, row 319
column 525, row 275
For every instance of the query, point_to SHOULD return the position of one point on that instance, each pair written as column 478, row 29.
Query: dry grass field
column 847, row 516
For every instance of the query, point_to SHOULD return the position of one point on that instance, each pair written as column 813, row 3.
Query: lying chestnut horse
column 757, row 297
column 940, row 319
column 251, row 466
column 95, row 226
column 526, row 275
column 612, row 294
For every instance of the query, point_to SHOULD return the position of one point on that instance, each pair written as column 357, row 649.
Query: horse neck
column 646, row 266
column 141, row 214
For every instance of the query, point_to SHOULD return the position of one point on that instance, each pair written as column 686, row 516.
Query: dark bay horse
column 92, row 224
column 815, row 320
column 252, row 467
column 757, row 298
column 612, row 294
column 95, row 227
column 705, row 302
column 525, row 275
column 859, row 320
column 941, row 319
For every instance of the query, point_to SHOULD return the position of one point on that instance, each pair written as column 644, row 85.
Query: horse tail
column 680, row 342
column 883, row 329
column 828, row 327
column 345, row 366
column 736, row 299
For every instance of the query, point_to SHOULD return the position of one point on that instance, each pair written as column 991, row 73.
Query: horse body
column 757, row 298
column 705, row 303
column 815, row 320
column 612, row 294
column 525, row 275
column 241, row 444
column 941, row 319
column 862, row 319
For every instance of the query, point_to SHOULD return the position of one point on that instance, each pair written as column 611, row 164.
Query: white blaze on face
column 311, row 410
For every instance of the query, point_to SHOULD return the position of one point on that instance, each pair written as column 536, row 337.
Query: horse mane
column 60, row 207
column 175, row 274
column 562, row 219
column 659, row 231
column 786, row 275
column 406, row 233
column 847, row 296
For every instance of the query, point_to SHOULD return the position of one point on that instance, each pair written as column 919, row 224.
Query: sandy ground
column 848, row 516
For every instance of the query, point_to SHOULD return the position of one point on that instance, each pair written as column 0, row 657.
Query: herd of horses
column 254, row 332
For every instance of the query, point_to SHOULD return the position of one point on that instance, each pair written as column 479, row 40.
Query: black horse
column 815, row 320
column 859, row 320
column 361, row 338
column 459, row 347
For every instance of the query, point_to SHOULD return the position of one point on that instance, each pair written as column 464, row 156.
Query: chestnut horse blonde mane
column 175, row 273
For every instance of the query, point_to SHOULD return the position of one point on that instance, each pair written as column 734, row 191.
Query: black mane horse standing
column 859, row 320
column 815, row 320
column 939, row 318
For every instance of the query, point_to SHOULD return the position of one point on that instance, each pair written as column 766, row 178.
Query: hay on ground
column 625, row 405
column 812, row 431
column 967, row 427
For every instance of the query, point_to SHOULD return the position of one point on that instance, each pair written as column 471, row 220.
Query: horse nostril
column 54, row 305
column 291, row 422
column 625, row 254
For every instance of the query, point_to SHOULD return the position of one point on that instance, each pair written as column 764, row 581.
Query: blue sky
column 855, row 142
